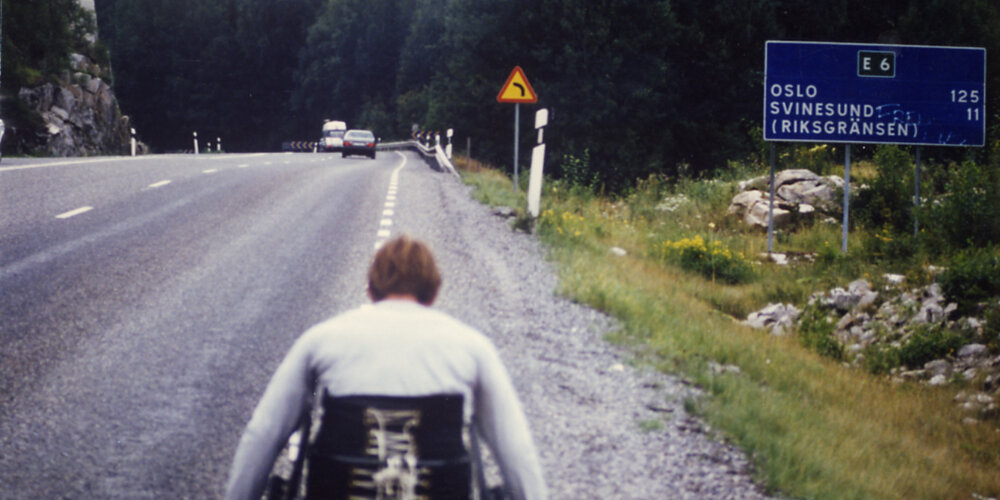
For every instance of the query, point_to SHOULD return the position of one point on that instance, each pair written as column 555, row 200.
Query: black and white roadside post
column 517, row 90
column 537, row 164
column 447, row 149
column 218, row 144
column 132, row 141
column 196, row 143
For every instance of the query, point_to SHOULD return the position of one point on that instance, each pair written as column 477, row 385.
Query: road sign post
column 517, row 90
column 872, row 93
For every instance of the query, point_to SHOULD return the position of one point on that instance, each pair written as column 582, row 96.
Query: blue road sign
column 869, row 93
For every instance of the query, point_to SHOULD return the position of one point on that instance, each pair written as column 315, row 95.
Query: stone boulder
column 80, row 113
column 778, row 318
column 798, row 193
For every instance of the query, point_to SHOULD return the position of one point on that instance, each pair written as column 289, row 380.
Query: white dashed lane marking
column 388, row 210
column 71, row 213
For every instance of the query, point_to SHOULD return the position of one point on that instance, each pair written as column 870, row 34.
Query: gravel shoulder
column 604, row 428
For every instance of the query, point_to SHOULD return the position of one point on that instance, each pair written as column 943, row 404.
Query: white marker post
column 196, row 143
column 218, row 144
column 133, row 141
column 447, row 149
column 537, row 164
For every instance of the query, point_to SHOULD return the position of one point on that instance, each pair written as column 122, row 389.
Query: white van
column 333, row 136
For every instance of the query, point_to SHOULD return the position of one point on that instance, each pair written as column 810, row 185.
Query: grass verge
column 812, row 427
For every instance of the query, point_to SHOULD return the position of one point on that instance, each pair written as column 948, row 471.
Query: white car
column 333, row 136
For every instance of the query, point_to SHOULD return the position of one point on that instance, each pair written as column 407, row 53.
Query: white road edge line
column 71, row 213
column 159, row 184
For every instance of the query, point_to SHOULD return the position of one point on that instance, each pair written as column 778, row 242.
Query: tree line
column 634, row 87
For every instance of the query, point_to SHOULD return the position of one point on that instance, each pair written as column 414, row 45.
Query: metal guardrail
column 434, row 155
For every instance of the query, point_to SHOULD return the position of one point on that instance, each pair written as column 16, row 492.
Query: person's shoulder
column 339, row 324
column 471, row 335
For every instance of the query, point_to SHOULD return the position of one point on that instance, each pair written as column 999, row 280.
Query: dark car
column 359, row 142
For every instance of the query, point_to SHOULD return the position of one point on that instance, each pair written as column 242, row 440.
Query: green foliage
column 886, row 244
column 816, row 332
column 967, row 213
column 991, row 328
column 223, row 68
column 39, row 36
column 888, row 202
column 711, row 259
column 972, row 276
column 636, row 83
column 880, row 359
column 927, row 343
column 578, row 172
column 817, row 158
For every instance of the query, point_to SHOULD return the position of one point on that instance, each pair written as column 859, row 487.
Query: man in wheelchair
column 401, row 388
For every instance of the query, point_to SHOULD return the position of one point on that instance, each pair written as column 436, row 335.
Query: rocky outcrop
column 869, row 322
column 798, row 193
column 80, row 113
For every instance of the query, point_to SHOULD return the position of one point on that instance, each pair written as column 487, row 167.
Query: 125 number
column 965, row 96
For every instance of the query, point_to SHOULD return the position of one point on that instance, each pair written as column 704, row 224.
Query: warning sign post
column 517, row 90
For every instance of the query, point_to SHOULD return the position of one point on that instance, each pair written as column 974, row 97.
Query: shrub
column 972, row 276
column 818, row 159
column 816, row 332
column 880, row 359
column 888, row 202
column 713, row 259
column 927, row 343
column 968, row 215
column 578, row 172
column 564, row 225
column 887, row 244
column 991, row 328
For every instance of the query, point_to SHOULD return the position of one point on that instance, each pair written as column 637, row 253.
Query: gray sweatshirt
column 391, row 348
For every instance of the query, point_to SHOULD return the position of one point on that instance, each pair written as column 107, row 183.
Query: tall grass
column 813, row 427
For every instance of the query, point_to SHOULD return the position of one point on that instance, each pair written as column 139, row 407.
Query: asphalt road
column 145, row 302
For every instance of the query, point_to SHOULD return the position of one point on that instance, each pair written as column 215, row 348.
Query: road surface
column 145, row 302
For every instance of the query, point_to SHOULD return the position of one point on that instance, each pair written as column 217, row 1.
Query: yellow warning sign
column 517, row 89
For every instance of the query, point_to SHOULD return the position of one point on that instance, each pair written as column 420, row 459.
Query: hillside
column 57, row 98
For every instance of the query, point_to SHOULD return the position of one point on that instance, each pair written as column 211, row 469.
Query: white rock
column 972, row 350
column 778, row 258
column 893, row 279
column 938, row 367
